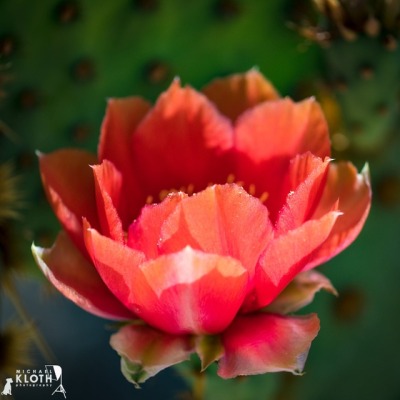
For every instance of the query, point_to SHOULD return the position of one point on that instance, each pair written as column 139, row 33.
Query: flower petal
column 189, row 292
column 145, row 233
column 285, row 257
column 66, row 173
column 300, row 292
column 69, row 271
column 108, row 184
column 256, row 344
column 114, row 262
column 307, row 177
column 269, row 136
column 283, row 129
column 237, row 93
column 145, row 351
column 121, row 119
column 212, row 221
column 182, row 141
column 351, row 193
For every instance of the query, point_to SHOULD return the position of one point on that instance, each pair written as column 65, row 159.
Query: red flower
column 242, row 201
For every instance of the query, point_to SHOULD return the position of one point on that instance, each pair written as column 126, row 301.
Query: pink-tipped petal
column 351, row 193
column 115, row 263
column 285, row 257
column 300, row 292
column 69, row 271
column 261, row 343
column 145, row 351
column 121, row 119
column 307, row 177
column 145, row 233
column 182, row 141
column 269, row 136
column 212, row 221
column 68, row 181
column 237, row 93
column 189, row 292
column 108, row 184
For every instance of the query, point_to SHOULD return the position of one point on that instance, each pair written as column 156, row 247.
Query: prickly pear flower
column 200, row 222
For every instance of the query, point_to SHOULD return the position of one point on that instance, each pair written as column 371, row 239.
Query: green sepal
column 209, row 348
column 133, row 372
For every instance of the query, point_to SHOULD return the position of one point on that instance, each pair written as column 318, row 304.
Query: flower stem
column 199, row 386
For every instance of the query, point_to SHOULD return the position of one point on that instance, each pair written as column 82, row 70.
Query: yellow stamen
column 252, row 189
column 264, row 197
column 149, row 199
column 190, row 189
column 230, row 179
column 163, row 194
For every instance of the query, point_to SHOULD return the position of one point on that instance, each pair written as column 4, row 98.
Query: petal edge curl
column 146, row 351
column 70, row 272
column 65, row 173
column 351, row 193
column 108, row 188
column 286, row 256
column 300, row 292
column 114, row 262
column 261, row 343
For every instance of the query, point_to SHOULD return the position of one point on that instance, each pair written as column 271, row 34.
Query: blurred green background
column 61, row 60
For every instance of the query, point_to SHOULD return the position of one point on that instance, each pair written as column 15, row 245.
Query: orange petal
column 69, row 271
column 121, row 119
column 182, row 141
column 108, row 183
column 285, row 257
column 282, row 129
column 145, row 351
column 213, row 221
column 114, row 262
column 68, row 181
column 300, row 292
column 237, row 93
column 350, row 193
column 269, row 136
column 260, row 343
column 189, row 292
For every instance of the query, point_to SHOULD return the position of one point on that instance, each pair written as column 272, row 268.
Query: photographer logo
column 48, row 378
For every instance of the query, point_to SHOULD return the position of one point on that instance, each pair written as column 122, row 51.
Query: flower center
column 189, row 190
